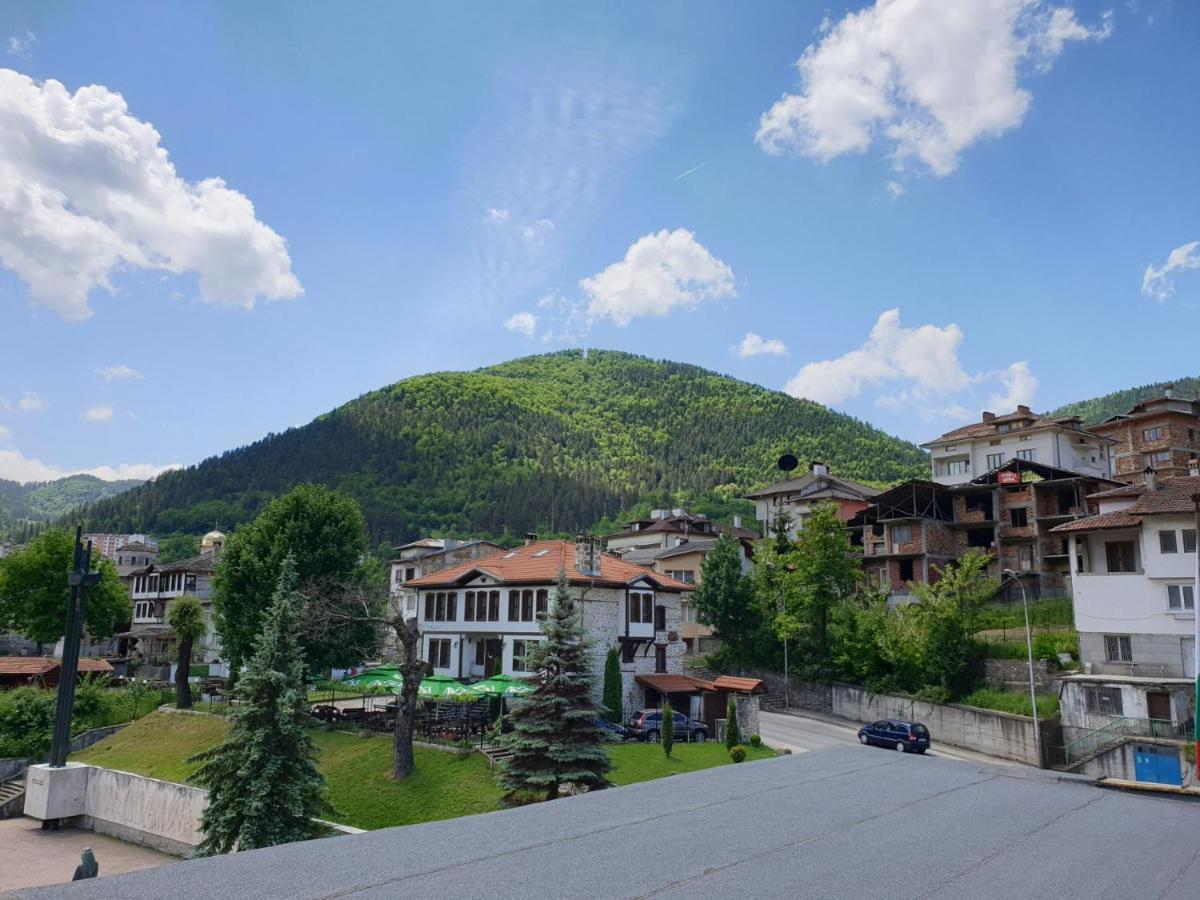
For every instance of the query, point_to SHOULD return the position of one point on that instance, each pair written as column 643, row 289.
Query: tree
column 185, row 618
column 555, row 740
column 176, row 547
column 725, row 600
column 826, row 572
column 34, row 594
column 667, row 735
column 733, row 733
column 263, row 784
column 614, row 704
column 324, row 532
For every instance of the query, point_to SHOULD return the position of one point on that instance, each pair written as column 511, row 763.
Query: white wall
column 1051, row 447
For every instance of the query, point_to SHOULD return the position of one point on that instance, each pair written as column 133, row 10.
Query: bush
column 26, row 721
column 755, row 741
column 1011, row 702
column 737, row 753
column 733, row 734
column 1048, row 646
column 1003, row 649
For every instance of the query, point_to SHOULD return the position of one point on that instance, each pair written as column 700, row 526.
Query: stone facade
column 602, row 620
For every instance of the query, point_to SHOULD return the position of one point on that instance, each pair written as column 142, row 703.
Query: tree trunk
column 412, row 668
column 183, row 690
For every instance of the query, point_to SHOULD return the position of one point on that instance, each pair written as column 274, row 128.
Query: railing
column 1119, row 729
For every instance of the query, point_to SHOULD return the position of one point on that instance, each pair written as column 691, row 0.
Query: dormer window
column 1003, row 426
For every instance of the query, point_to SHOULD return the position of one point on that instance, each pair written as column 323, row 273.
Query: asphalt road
column 803, row 732
column 850, row 822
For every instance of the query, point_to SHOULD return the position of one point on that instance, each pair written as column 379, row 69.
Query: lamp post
column 1037, row 736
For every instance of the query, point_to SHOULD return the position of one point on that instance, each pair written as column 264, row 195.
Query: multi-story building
column 149, row 638
column 968, row 452
column 479, row 618
column 1162, row 434
column 668, row 527
column 426, row 556
column 107, row 545
column 798, row 497
column 1010, row 513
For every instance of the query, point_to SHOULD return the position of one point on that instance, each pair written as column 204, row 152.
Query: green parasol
column 379, row 678
column 443, row 687
column 502, row 685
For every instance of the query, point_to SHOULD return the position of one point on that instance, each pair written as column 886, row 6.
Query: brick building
column 1160, row 434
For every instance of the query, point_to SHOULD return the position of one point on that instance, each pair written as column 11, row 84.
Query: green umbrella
column 381, row 677
column 443, row 687
column 502, row 685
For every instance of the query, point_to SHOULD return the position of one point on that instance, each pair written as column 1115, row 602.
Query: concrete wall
column 986, row 731
column 146, row 811
column 1119, row 762
column 13, row 766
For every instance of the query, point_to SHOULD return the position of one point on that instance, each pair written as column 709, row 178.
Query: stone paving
column 30, row 857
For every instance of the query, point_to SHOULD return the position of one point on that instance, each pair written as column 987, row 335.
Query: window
column 685, row 575
column 641, row 609
column 660, row 659
column 958, row 467
column 1117, row 648
column 542, row 602
column 189, row 584
column 995, row 443
column 995, row 460
column 1189, row 540
column 901, row 534
column 1018, row 517
column 1166, row 542
column 1028, row 455
column 1003, row 426
column 950, row 448
column 410, row 573
column 906, row 570
column 1158, row 458
column 1120, row 556
column 482, row 606
column 1152, row 434
column 439, row 653
column 1025, row 437
column 441, row 607
column 1180, row 597
column 1025, row 557
column 1104, row 701
column 520, row 651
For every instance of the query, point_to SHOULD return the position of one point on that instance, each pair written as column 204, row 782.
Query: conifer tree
column 555, row 740
column 667, row 735
column 263, row 784
column 733, row 734
column 613, row 704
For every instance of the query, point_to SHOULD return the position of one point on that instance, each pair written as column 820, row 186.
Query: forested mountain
column 547, row 443
column 42, row 501
column 1099, row 408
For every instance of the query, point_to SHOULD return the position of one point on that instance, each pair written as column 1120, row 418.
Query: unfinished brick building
column 1162, row 434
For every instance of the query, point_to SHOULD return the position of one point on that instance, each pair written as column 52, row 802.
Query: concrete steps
column 12, row 798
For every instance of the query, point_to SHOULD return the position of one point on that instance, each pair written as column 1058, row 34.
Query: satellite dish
column 787, row 462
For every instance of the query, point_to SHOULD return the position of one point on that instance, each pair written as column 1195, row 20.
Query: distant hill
column 1099, row 408
column 43, row 501
column 548, row 443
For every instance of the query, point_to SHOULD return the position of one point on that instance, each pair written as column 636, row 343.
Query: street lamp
column 1037, row 737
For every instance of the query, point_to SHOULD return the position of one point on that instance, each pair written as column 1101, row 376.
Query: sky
column 221, row 220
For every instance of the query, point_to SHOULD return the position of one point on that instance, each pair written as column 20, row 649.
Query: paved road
column 839, row 824
column 800, row 733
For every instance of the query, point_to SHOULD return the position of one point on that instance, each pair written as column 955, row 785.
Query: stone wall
column 801, row 694
column 1015, row 672
column 983, row 730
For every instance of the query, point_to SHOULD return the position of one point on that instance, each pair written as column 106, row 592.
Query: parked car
column 647, row 725
column 897, row 734
column 615, row 731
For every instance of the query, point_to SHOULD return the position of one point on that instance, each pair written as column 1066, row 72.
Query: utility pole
column 80, row 578
column 1037, row 735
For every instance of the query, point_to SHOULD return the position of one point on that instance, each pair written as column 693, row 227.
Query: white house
column 426, row 556
column 972, row 450
column 480, row 617
column 799, row 497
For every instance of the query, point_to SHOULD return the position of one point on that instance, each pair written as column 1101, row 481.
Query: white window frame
column 1181, row 598
column 1167, row 541
column 995, row 460
column 1121, row 644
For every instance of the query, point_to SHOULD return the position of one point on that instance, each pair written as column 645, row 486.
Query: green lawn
column 357, row 769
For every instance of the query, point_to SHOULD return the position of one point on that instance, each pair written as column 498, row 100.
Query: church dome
column 212, row 539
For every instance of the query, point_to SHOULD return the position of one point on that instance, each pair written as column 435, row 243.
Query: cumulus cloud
column 756, row 345
column 118, row 373
column 895, row 189
column 1157, row 283
column 522, row 323
column 100, row 414
column 927, row 78
column 86, row 190
column 33, row 402
column 1019, row 384
column 496, row 215
column 660, row 273
column 16, row 467
column 22, row 45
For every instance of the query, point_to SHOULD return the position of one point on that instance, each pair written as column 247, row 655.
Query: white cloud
column 118, row 373
column 926, row 77
column 5, row 433
column 660, row 273
column 33, row 402
column 522, row 323
column 99, row 414
column 538, row 231
column 86, row 190
column 1019, row 383
column 895, row 189
column 1158, row 284
column 755, row 345
column 496, row 215
column 16, row 467
column 22, row 45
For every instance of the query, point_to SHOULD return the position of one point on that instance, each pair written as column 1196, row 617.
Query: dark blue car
column 896, row 734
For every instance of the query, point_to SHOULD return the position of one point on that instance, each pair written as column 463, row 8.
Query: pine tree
column 555, row 740
column 733, row 734
column 613, row 703
column 668, row 728
column 263, row 784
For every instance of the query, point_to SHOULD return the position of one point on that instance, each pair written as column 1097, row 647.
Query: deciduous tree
column 185, row 618
column 724, row 601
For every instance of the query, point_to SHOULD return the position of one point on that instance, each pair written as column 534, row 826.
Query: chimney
column 988, row 416
column 530, row 537
column 587, row 554
column 1169, row 392
column 1194, row 467
column 1151, row 480
column 1023, row 410
column 819, row 468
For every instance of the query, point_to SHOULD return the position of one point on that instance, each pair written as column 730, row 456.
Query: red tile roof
column 40, row 665
column 1097, row 523
column 540, row 563
column 1173, row 495
column 739, row 685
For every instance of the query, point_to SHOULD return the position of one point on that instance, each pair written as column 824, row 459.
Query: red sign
column 1008, row 477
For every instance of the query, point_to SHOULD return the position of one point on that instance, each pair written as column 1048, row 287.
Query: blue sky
column 931, row 214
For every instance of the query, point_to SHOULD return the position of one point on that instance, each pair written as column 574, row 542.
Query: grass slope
column 356, row 769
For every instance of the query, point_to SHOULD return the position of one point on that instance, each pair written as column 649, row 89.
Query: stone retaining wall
column 1016, row 672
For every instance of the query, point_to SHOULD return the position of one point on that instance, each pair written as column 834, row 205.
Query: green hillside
column 549, row 443
column 47, row 500
column 1099, row 408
